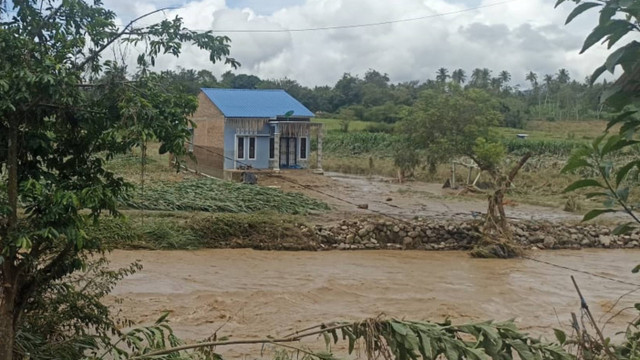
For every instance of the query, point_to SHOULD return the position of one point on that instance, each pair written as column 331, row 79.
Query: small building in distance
column 238, row 130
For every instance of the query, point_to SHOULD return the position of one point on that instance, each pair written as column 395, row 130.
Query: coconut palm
column 458, row 76
column 563, row 76
column 442, row 75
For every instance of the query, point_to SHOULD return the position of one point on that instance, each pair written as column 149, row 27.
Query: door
column 288, row 152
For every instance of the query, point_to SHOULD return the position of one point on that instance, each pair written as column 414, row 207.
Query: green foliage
column 212, row 195
column 446, row 125
column 490, row 154
column 265, row 231
column 65, row 110
column 66, row 319
column 355, row 143
column 614, row 181
column 406, row 340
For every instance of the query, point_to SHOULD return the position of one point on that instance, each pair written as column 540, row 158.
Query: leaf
column 580, row 9
column 596, row 74
column 558, row 3
column 575, row 163
column 636, row 269
column 581, row 184
column 560, row 335
column 620, row 118
column 522, row 349
column 624, row 228
column 162, row 318
column 596, row 35
column 595, row 213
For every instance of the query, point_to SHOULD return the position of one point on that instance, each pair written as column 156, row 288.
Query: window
column 252, row 148
column 240, row 150
column 303, row 148
column 272, row 148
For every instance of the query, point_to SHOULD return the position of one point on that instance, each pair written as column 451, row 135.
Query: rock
column 363, row 232
column 632, row 244
column 396, row 229
column 407, row 241
column 343, row 246
column 389, row 199
column 605, row 240
column 549, row 242
column 350, row 238
column 363, row 206
column 585, row 242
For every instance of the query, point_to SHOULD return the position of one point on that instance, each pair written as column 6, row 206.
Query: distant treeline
column 373, row 98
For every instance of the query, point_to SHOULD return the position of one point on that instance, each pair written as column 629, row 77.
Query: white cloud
column 517, row 36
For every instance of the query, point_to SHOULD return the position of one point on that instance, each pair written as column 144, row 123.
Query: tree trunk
column 9, row 292
column 7, row 311
column 497, row 238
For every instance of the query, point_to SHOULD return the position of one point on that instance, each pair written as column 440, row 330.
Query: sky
column 514, row 35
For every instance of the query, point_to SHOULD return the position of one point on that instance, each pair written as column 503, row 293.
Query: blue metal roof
column 243, row 103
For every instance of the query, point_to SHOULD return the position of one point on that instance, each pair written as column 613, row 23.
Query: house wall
column 208, row 136
column 262, row 148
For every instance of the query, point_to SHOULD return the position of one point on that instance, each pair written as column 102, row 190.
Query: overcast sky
column 517, row 36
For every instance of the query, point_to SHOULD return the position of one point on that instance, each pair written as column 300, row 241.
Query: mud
column 251, row 294
column 410, row 199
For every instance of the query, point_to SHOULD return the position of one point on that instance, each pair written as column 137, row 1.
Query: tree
column 457, row 123
column 614, row 180
column 64, row 111
column 504, row 76
column 563, row 76
column 480, row 78
column 458, row 76
column 442, row 75
column 532, row 78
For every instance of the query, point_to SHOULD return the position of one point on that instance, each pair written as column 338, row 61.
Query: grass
column 213, row 195
column 166, row 231
column 332, row 124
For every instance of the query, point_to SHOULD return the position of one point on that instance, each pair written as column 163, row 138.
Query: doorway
column 288, row 152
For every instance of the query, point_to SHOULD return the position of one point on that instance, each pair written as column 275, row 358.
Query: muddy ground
column 344, row 192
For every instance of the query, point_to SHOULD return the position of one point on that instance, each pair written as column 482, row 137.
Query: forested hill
column 372, row 97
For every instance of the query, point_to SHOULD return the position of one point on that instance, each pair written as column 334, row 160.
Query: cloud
column 517, row 36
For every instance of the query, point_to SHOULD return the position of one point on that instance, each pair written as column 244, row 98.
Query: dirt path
column 253, row 294
column 409, row 199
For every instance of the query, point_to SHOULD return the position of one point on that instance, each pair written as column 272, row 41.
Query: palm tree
column 505, row 76
column 533, row 79
column 563, row 76
column 480, row 78
column 442, row 75
column 458, row 76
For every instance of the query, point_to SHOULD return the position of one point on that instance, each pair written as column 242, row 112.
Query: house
column 238, row 129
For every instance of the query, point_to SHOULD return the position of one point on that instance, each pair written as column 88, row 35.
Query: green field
column 334, row 124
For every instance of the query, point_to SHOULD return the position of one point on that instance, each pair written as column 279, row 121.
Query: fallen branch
column 237, row 342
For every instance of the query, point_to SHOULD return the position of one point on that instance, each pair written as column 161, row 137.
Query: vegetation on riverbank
column 187, row 230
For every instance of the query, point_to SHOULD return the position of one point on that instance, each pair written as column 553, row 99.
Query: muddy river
column 253, row 294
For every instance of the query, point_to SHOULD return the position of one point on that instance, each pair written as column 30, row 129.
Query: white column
column 319, row 154
column 276, row 149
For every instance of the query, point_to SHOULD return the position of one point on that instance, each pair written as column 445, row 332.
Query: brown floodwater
column 256, row 293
